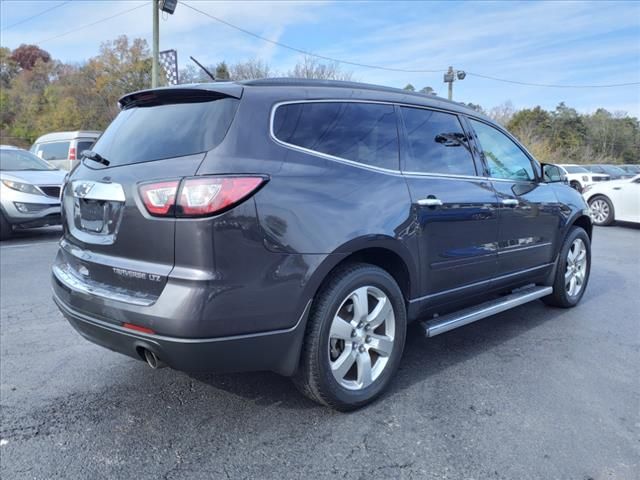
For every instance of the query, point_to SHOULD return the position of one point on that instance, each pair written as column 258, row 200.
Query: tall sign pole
column 155, row 67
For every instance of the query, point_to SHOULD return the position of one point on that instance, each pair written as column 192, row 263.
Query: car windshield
column 19, row 160
column 575, row 169
column 611, row 170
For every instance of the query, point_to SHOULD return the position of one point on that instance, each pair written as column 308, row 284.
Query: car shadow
column 422, row 357
column 34, row 235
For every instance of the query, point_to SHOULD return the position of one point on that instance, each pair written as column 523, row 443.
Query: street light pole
column 155, row 67
column 450, row 77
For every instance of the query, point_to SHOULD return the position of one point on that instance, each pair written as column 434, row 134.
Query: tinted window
column 144, row 133
column 573, row 169
column 596, row 169
column 84, row 145
column 362, row 132
column 21, row 160
column 53, row 151
column 437, row 143
column 504, row 158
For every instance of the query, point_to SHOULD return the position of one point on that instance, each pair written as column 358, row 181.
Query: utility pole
column 155, row 66
column 451, row 76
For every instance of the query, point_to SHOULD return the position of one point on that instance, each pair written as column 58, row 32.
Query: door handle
column 429, row 202
column 510, row 202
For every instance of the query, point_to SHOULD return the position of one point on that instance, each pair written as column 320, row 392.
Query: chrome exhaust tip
column 152, row 360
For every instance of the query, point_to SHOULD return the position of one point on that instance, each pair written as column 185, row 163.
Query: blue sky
column 557, row 42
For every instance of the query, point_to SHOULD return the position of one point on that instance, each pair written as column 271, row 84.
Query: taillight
column 198, row 196
column 209, row 195
column 72, row 153
column 159, row 198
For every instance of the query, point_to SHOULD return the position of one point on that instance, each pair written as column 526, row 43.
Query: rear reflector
column 198, row 196
column 72, row 153
column 138, row 328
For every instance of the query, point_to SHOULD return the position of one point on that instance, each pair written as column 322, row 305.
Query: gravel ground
column 535, row 393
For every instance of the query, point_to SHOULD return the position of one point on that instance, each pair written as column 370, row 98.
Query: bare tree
column 249, row 70
column 311, row 67
column 503, row 112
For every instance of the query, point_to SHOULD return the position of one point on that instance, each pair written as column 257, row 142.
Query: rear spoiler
column 186, row 94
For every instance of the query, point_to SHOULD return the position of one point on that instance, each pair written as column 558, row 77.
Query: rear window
column 53, row 151
column 146, row 133
column 84, row 145
column 573, row 169
column 361, row 132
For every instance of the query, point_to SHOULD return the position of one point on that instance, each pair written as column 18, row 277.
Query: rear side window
column 437, row 143
column 53, row 151
column 146, row 133
column 84, row 145
column 361, row 132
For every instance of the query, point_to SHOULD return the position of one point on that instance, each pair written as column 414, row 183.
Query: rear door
column 109, row 235
column 529, row 211
column 454, row 205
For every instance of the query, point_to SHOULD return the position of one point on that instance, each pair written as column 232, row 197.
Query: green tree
column 222, row 72
column 409, row 88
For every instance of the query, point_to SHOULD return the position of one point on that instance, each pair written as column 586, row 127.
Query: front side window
column 361, row 132
column 84, row 145
column 53, row 151
column 437, row 143
column 504, row 158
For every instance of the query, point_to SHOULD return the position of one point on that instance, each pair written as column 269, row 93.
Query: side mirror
column 552, row 174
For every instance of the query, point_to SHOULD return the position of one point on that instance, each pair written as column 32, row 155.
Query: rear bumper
column 276, row 350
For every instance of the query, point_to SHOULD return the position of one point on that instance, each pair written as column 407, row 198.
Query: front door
column 454, row 206
column 529, row 211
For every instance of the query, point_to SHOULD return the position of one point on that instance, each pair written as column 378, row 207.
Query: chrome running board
column 457, row 319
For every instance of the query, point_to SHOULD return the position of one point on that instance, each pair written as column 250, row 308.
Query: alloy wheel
column 576, row 268
column 599, row 210
column 361, row 338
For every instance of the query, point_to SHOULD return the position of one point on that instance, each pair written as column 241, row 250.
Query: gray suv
column 298, row 226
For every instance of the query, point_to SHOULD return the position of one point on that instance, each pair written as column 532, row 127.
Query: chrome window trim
column 520, row 249
column 353, row 163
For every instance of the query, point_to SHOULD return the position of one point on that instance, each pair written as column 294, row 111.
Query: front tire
column 355, row 338
column 572, row 272
column 6, row 230
column 602, row 211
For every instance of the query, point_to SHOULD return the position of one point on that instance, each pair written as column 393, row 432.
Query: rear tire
column 572, row 272
column 602, row 211
column 354, row 338
column 6, row 230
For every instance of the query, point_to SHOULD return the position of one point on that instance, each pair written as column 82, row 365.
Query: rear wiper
column 96, row 157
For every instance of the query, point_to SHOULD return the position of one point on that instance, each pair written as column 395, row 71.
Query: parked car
column 63, row 149
column 298, row 226
column 614, row 171
column 29, row 191
column 631, row 169
column 615, row 200
column 579, row 177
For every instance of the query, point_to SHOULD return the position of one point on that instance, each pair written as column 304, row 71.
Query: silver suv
column 29, row 191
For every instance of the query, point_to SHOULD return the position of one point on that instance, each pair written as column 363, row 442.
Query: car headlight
column 21, row 187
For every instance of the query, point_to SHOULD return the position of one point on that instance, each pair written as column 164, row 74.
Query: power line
column 551, row 85
column 306, row 52
column 92, row 24
column 36, row 15
column 391, row 69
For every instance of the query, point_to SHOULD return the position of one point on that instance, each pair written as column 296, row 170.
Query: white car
column 579, row 177
column 614, row 200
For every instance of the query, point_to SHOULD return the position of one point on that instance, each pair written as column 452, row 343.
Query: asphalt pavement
column 535, row 392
